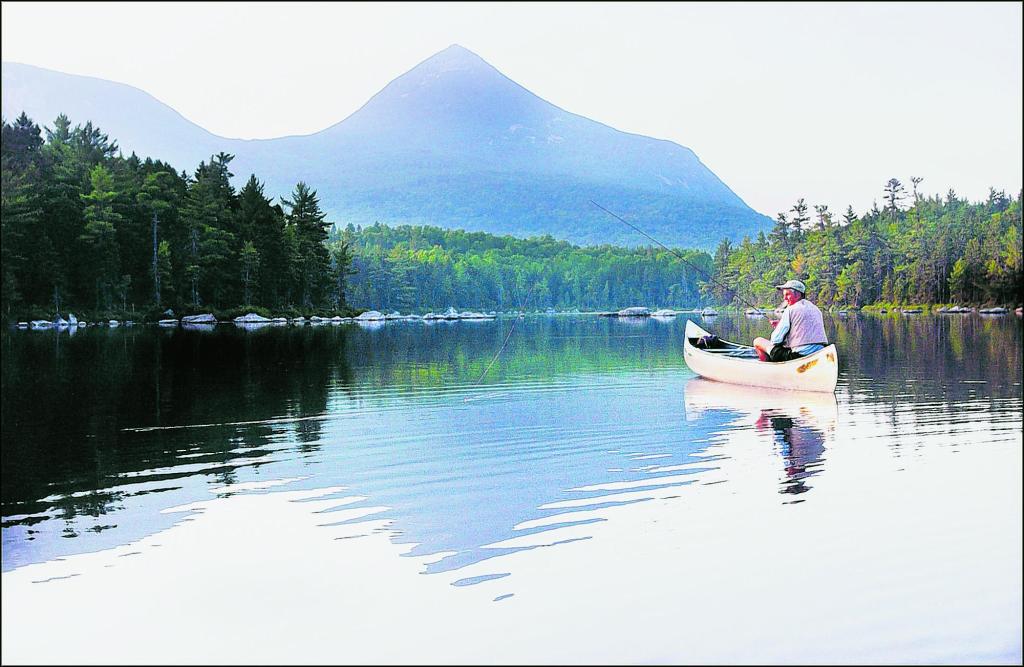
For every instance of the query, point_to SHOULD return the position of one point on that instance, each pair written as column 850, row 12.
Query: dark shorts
column 782, row 353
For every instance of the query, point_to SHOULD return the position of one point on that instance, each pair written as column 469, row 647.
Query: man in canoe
column 799, row 332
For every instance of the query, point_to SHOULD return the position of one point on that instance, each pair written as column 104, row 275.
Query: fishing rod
column 688, row 263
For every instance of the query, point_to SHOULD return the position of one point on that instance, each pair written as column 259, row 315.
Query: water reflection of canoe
column 799, row 423
column 814, row 408
column 730, row 362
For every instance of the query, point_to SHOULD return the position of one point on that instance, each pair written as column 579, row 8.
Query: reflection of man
column 800, row 446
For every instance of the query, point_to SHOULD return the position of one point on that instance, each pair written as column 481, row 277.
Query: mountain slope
column 452, row 142
column 133, row 118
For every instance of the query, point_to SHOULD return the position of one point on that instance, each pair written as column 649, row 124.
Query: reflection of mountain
column 798, row 423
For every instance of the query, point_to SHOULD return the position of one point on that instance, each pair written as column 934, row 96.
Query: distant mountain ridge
column 453, row 143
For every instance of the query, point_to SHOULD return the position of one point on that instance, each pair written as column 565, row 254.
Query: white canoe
column 815, row 372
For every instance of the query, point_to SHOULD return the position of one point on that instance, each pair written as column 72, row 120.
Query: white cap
column 793, row 284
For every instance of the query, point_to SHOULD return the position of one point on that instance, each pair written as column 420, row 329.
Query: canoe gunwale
column 737, row 346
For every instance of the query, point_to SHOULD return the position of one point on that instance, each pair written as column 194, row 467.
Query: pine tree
column 157, row 197
column 780, row 237
column 310, row 229
column 20, row 205
column 799, row 221
column 100, row 236
column 263, row 224
column 824, row 216
column 341, row 269
column 894, row 194
column 250, row 264
column 210, row 244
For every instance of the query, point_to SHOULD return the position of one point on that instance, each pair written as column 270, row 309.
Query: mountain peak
column 453, row 59
column 450, row 91
column 457, row 49
column 452, row 142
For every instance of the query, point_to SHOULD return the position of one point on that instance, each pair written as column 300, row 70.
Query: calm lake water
column 588, row 498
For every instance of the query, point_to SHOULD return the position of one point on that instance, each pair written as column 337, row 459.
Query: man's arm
column 781, row 329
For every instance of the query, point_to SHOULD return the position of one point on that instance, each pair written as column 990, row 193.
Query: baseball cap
column 793, row 284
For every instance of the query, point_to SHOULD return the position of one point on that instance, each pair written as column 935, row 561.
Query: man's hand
column 774, row 323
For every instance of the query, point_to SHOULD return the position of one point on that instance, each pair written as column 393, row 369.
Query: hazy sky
column 823, row 101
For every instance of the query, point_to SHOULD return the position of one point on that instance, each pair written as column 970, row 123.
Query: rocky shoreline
column 207, row 321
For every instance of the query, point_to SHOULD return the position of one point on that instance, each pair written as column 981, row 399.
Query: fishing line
column 677, row 254
column 522, row 307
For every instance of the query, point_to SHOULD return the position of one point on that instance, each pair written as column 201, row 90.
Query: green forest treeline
column 939, row 250
column 409, row 267
column 86, row 229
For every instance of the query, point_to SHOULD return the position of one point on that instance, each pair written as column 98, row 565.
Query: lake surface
column 342, row 493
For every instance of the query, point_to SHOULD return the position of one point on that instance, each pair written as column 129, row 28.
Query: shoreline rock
column 252, row 318
column 205, row 318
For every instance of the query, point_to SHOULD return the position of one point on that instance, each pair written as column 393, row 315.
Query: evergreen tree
column 208, row 219
column 780, row 236
column 824, row 216
column 157, row 198
column 894, row 194
column 916, row 181
column 20, row 205
column 21, row 143
column 799, row 220
column 250, row 264
column 341, row 269
column 99, row 237
column 310, row 229
column 263, row 224
column 849, row 217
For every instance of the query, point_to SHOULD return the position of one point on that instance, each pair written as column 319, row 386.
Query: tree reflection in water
column 103, row 431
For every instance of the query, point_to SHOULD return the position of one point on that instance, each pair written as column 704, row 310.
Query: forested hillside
column 411, row 267
column 86, row 229
column 936, row 250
